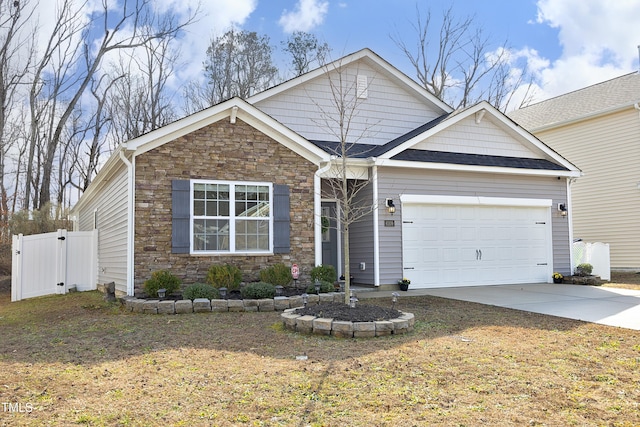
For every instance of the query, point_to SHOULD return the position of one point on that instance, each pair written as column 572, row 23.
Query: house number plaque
column 389, row 223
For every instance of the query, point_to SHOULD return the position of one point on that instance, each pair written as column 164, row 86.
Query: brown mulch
column 360, row 313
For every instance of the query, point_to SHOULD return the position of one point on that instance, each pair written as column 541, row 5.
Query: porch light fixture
column 390, row 206
column 162, row 293
column 562, row 208
column 223, row 293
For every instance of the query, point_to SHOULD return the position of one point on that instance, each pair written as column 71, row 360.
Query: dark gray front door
column 329, row 235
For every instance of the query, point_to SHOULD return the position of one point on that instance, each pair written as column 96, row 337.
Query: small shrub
column 224, row 276
column 325, row 273
column 324, row 287
column 200, row 290
column 278, row 274
column 161, row 279
column 258, row 290
column 584, row 269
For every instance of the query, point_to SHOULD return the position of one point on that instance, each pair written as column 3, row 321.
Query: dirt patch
column 360, row 313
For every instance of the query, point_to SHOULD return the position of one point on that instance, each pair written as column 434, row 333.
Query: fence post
column 61, row 257
column 16, row 267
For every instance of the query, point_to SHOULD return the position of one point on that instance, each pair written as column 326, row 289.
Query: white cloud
column 598, row 41
column 307, row 15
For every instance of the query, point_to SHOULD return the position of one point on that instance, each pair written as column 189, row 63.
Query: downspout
column 570, row 222
column 376, row 230
column 130, row 200
column 317, row 210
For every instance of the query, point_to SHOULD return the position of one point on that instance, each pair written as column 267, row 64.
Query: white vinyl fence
column 596, row 254
column 52, row 263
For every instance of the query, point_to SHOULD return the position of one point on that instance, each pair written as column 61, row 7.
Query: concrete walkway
column 606, row 306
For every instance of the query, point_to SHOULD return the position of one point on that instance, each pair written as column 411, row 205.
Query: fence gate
column 52, row 263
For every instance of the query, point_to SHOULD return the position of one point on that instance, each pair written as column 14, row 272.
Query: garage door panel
column 461, row 245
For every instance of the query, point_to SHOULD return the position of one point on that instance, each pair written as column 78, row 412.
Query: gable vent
column 362, row 87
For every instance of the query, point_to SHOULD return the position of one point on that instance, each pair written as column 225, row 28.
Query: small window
column 231, row 217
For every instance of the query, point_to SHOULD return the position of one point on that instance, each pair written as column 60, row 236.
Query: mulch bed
column 360, row 313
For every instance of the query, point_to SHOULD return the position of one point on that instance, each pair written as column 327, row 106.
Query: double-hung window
column 231, row 217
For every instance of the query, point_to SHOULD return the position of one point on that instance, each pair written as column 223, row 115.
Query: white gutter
column 376, row 231
column 130, row 201
column 570, row 224
column 317, row 210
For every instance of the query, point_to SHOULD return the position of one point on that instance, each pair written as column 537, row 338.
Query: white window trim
column 232, row 218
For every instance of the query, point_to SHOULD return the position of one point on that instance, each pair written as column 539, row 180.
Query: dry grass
column 79, row 361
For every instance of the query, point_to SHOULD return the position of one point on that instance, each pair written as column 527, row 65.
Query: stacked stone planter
column 203, row 305
column 343, row 329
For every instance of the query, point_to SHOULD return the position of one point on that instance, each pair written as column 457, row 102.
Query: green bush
column 200, row 290
column 324, row 287
column 324, row 273
column 224, row 276
column 278, row 274
column 584, row 269
column 258, row 290
column 161, row 279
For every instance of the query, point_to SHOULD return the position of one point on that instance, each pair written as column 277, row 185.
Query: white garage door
column 476, row 243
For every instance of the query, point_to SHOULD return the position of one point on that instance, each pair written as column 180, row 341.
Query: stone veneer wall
column 221, row 151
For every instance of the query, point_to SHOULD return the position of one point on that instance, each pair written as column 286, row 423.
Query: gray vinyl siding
column 111, row 205
column 388, row 112
column 361, row 239
column 392, row 182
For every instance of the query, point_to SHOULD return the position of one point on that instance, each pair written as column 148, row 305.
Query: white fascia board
column 478, row 169
column 245, row 111
column 474, row 200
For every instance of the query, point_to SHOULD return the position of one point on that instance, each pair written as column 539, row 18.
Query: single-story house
column 478, row 200
column 598, row 128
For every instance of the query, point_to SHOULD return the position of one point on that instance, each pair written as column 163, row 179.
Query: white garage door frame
column 542, row 208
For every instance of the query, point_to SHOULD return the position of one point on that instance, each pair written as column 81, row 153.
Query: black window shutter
column 281, row 243
column 181, row 210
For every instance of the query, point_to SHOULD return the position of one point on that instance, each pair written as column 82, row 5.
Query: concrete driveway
column 606, row 306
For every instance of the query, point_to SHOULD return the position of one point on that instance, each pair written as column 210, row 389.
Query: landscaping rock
column 281, row 303
column 250, row 304
column 342, row 329
column 304, row 324
column 235, row 305
column 266, row 304
column 364, row 329
column 383, row 327
column 322, row 326
column 150, row 306
column 220, row 305
column 184, row 306
column 166, row 307
column 201, row 305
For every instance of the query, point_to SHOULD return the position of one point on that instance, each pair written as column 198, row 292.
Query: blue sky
column 567, row 44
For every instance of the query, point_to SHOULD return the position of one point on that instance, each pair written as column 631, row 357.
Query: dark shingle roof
column 476, row 160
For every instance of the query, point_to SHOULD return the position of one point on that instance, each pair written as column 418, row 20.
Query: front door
column 329, row 235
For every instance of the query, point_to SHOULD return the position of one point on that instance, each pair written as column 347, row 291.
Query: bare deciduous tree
column 457, row 63
column 338, row 118
column 66, row 68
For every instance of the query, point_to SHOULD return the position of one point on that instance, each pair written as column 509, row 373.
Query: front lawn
column 75, row 360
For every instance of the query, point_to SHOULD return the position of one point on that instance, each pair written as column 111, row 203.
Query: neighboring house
column 598, row 128
column 243, row 182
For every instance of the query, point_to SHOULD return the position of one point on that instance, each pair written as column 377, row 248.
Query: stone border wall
column 202, row 305
column 344, row 329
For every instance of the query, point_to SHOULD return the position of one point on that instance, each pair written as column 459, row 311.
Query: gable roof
column 373, row 60
column 611, row 95
column 401, row 148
